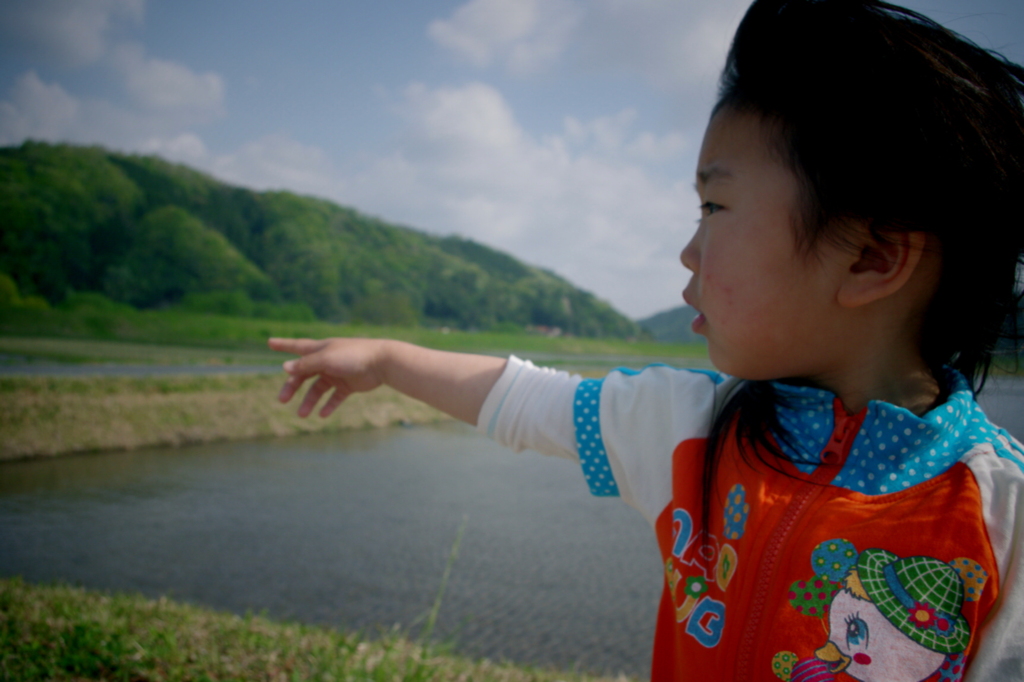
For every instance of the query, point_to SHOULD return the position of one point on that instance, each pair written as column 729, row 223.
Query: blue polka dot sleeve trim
column 593, row 458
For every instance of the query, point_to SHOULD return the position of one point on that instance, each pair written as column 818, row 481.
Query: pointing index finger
column 295, row 346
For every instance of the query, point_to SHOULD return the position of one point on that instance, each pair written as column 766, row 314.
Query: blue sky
column 562, row 131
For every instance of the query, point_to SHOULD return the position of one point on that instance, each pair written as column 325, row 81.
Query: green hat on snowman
column 919, row 595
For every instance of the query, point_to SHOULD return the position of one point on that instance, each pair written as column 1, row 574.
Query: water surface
column 353, row 530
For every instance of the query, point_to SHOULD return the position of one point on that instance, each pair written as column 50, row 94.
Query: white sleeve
column 1000, row 655
column 644, row 416
column 531, row 407
column 622, row 429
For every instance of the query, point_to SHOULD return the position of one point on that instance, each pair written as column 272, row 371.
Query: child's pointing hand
column 455, row 383
column 345, row 365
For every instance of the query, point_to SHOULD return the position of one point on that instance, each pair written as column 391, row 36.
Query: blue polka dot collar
column 894, row 448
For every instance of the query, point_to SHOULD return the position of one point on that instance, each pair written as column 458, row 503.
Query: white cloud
column 612, row 137
column 279, row 162
column 595, row 201
column 271, row 162
column 163, row 98
column 449, row 123
column 605, row 133
column 674, row 45
column 654, row 148
column 36, row 111
column 524, row 35
column 68, row 32
column 185, row 148
column 580, row 202
column 165, row 86
column 584, row 202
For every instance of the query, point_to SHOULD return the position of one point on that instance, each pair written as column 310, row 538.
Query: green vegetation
column 46, row 416
column 59, row 632
column 672, row 326
column 10, row 297
column 18, row 350
column 154, row 235
column 93, row 317
column 173, row 255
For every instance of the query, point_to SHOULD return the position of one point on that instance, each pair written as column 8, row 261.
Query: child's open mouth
column 697, row 322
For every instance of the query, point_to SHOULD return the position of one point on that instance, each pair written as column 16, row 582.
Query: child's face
column 765, row 305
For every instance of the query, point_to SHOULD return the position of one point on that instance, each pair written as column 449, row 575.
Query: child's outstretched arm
column 456, row 383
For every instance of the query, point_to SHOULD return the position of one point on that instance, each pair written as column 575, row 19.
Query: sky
column 564, row 132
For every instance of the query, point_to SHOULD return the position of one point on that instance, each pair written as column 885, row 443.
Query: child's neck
column 903, row 381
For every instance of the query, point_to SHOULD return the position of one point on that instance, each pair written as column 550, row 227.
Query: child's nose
column 690, row 257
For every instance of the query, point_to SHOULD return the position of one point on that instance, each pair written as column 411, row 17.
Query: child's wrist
column 385, row 358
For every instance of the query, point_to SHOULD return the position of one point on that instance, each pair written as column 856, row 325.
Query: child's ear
column 881, row 267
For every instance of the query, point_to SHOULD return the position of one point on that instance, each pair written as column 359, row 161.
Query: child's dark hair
column 886, row 117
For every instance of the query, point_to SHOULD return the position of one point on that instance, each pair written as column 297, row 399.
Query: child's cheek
column 716, row 290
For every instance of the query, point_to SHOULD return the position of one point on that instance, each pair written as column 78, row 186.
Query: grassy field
column 234, row 337
column 18, row 350
column 45, row 416
column 21, row 349
column 54, row 415
column 65, row 633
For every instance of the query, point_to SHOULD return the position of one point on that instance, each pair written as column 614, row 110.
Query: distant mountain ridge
column 146, row 232
column 672, row 326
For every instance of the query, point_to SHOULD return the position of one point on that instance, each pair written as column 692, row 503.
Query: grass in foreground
column 64, row 633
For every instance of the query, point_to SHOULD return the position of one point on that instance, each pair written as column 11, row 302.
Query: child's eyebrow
column 709, row 173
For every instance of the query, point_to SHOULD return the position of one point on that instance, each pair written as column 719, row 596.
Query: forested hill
column 672, row 326
column 152, row 234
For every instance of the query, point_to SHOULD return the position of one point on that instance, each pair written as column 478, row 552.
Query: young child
column 833, row 504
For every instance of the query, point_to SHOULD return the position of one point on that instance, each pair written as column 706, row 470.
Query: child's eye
column 707, row 208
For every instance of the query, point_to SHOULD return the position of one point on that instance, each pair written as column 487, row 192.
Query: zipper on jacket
column 834, row 455
column 843, row 434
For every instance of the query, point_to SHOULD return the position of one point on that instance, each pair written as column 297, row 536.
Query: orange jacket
column 890, row 548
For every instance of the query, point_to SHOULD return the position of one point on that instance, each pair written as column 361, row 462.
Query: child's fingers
column 313, row 395
column 296, row 346
column 291, row 385
column 337, row 398
column 308, row 365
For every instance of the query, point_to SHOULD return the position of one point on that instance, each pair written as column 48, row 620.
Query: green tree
column 173, row 254
column 9, row 296
column 153, row 233
column 386, row 308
